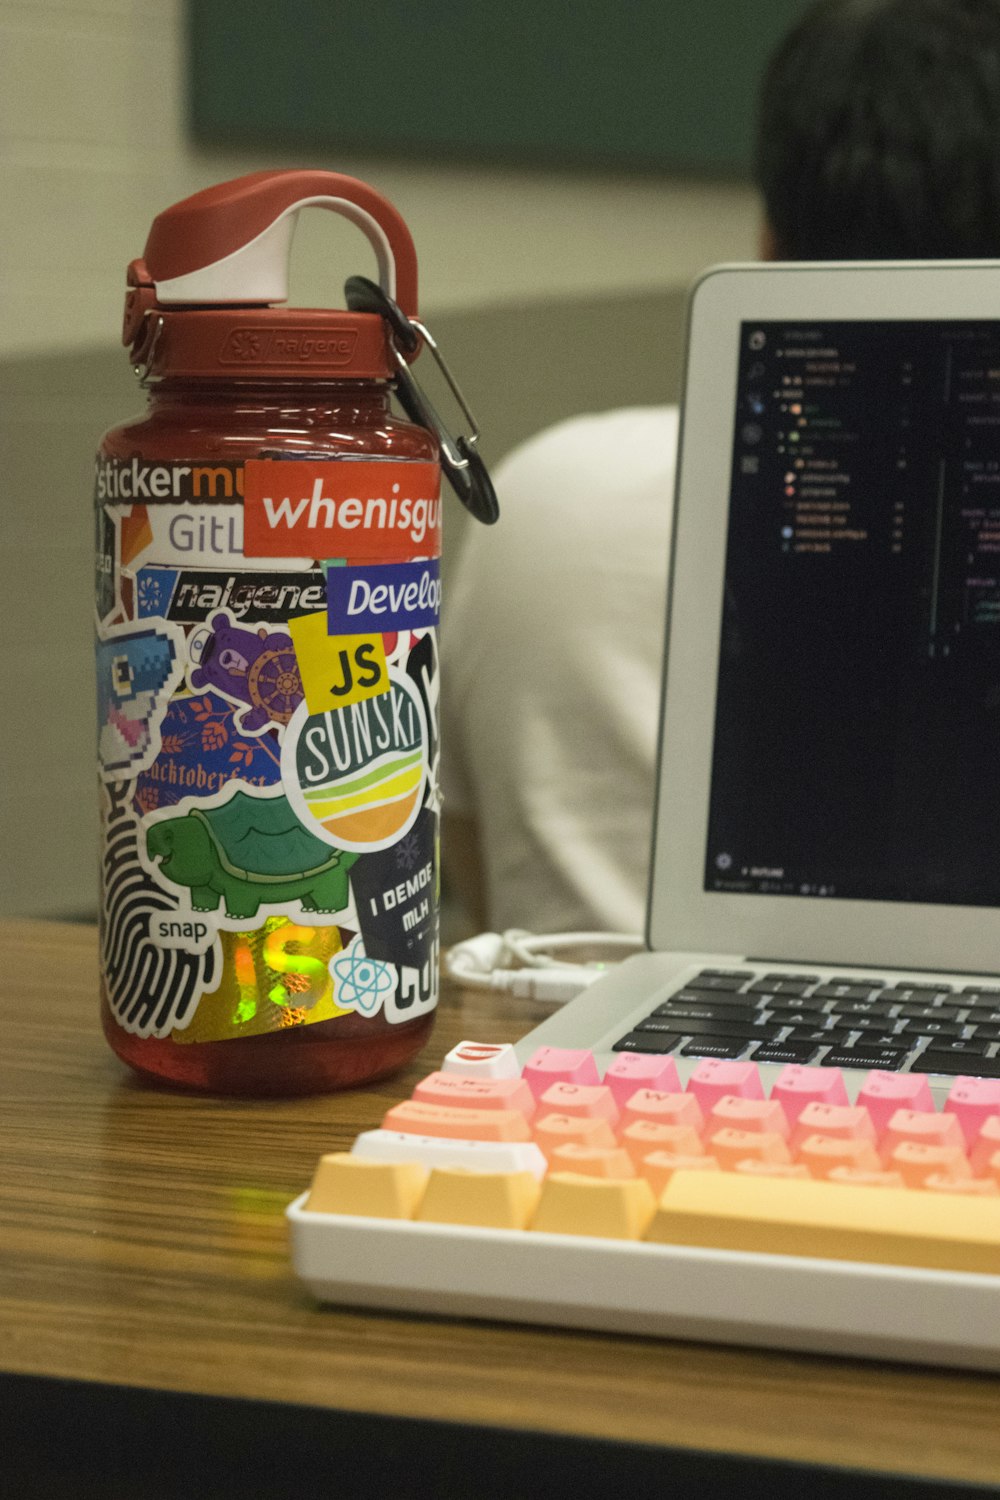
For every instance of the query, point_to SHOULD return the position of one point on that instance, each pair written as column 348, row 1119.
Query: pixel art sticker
column 136, row 673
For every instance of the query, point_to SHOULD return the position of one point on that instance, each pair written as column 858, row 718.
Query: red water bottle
column 268, row 592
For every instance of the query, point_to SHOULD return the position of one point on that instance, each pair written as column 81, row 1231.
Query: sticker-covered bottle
column 268, row 592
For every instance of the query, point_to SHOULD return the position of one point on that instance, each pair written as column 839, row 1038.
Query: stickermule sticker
column 384, row 596
column 337, row 669
column 387, row 510
column 355, row 776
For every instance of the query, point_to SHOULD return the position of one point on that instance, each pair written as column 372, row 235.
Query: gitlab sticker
column 355, row 775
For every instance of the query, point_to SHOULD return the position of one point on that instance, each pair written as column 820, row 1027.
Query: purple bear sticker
column 254, row 667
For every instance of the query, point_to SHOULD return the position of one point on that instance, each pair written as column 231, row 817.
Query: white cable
column 483, row 962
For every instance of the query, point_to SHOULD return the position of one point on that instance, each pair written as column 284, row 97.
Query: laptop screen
column 857, row 726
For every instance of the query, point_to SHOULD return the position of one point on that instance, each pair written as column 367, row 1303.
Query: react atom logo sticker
column 355, row 775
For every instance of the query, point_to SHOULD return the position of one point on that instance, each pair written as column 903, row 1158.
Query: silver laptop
column 825, row 875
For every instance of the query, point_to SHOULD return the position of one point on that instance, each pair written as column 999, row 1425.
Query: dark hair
column 879, row 132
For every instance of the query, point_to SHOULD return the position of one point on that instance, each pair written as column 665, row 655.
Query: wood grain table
column 153, row 1340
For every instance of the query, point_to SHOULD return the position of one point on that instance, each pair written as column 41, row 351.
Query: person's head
column 879, row 133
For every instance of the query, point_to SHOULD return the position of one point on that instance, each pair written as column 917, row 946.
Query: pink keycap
column 460, row 1124
column 864, row 1177
column 845, row 1121
column 591, row 1099
column 883, row 1093
column 927, row 1127
column 796, row 1086
column 915, row 1161
column 822, row 1153
column 664, row 1109
column 750, row 1168
column 714, row 1077
column 730, row 1146
column 644, row 1136
column 559, row 1065
column 476, row 1093
column 973, row 1101
column 641, row 1070
column 747, row 1114
column 986, row 1144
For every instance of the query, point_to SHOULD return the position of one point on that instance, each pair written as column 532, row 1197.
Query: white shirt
column 552, row 642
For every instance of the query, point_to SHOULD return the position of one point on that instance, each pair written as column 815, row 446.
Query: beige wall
column 551, row 293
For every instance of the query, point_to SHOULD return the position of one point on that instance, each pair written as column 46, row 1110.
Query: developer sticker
column 385, row 510
column 355, row 775
column 337, row 669
column 387, row 596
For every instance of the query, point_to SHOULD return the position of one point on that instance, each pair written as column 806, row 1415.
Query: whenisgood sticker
column 355, row 775
column 385, row 510
column 383, row 596
column 337, row 669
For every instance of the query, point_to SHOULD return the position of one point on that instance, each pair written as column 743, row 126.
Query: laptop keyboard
column 838, row 1022
column 797, row 1218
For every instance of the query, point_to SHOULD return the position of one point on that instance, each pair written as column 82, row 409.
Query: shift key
column 777, row 1216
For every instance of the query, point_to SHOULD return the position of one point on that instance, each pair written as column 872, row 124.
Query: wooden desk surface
column 142, row 1245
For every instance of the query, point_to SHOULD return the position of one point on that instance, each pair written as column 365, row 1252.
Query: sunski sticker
column 386, row 510
column 355, row 775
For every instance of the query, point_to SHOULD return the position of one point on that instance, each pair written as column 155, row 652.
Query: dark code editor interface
column 857, row 735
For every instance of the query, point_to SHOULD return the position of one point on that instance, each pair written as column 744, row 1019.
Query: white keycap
column 438, row 1151
column 482, row 1060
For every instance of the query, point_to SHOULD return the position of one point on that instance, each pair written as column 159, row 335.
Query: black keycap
column 717, row 981
column 984, row 991
column 830, row 1035
column 912, row 995
column 886, row 1058
column 952, row 1064
column 869, row 1039
column 869, row 984
column 980, row 1001
column 690, row 1008
column 850, row 1007
column 839, row 990
column 708, row 1048
column 987, row 1033
column 867, row 1023
column 784, row 1052
column 713, row 1027
column 928, row 1012
column 654, row 1026
column 958, row 1048
column 647, row 1041
column 730, row 974
column 777, row 984
column 797, row 1017
column 793, row 978
column 778, row 1004
column 932, row 1028
column 937, row 985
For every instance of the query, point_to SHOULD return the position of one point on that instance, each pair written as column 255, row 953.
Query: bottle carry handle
column 229, row 244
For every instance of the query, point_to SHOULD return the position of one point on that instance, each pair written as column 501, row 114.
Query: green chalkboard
column 650, row 85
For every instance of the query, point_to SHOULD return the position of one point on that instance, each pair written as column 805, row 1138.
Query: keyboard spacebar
column 780, row 1216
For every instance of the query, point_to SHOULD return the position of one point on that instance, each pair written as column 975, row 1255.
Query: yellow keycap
column 611, row 1208
column 345, row 1184
column 494, row 1200
column 896, row 1226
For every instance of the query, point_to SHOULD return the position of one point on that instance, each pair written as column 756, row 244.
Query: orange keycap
column 845, row 1121
column 750, row 1168
column 986, row 1143
column 611, row 1208
column 552, row 1131
column 925, row 1126
column 862, row 1177
column 821, row 1153
column 643, row 1136
column 747, row 1114
column 462, row 1124
column 592, row 1161
column 978, row 1187
column 730, row 1146
column 452, row 1090
column 915, row 1162
column 663, row 1109
column 593, row 1100
column 992, row 1167
column 659, row 1166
